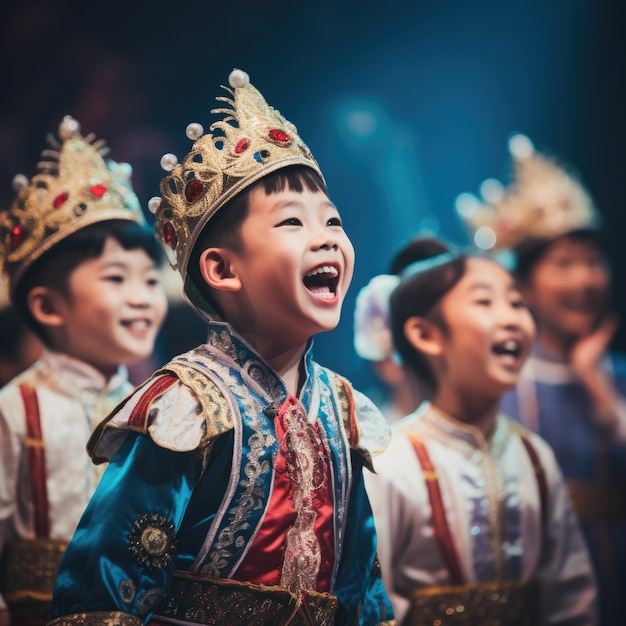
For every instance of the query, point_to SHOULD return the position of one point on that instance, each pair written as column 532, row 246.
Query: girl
column 473, row 518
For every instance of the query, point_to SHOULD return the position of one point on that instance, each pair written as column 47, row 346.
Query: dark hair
column 53, row 268
column 419, row 293
column 223, row 229
column 528, row 255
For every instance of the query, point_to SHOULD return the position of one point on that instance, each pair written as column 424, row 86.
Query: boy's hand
column 609, row 406
column 586, row 354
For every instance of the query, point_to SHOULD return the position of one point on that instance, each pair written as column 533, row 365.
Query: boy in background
column 572, row 389
column 82, row 273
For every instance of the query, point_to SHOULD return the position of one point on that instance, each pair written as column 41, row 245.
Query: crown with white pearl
column 252, row 140
column 75, row 186
column 543, row 201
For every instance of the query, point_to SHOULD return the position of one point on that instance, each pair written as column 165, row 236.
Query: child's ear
column 424, row 335
column 217, row 270
column 45, row 306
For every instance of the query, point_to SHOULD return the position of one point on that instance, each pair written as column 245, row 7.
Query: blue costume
column 228, row 501
column 550, row 401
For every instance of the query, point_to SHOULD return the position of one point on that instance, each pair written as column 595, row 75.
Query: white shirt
column 491, row 498
column 72, row 397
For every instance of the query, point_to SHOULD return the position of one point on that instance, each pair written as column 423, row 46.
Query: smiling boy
column 82, row 273
column 235, row 492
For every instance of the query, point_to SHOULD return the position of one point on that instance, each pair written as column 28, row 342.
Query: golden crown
column 543, row 201
column 251, row 141
column 75, row 186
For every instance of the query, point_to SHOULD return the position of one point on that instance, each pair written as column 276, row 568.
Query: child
column 400, row 392
column 473, row 519
column 81, row 265
column 572, row 390
column 234, row 493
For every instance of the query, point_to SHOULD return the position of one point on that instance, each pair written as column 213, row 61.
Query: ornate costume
column 476, row 531
column 550, row 401
column 47, row 413
column 46, row 417
column 545, row 201
column 226, row 499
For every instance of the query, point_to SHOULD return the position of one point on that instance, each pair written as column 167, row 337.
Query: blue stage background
column 404, row 107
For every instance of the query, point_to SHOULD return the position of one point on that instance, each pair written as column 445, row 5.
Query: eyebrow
column 512, row 286
column 295, row 203
column 125, row 266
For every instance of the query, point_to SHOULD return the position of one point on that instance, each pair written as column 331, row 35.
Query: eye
column 114, row 278
column 518, row 304
column 153, row 282
column 291, row 221
column 483, row 302
column 334, row 221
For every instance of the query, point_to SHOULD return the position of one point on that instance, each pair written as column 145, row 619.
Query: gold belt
column 595, row 500
column 217, row 602
column 29, row 569
column 488, row 604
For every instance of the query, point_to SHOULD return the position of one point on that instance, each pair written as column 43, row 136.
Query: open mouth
column 511, row 348
column 322, row 281
column 136, row 326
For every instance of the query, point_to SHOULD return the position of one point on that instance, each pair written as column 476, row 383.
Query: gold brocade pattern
column 301, row 448
column 215, row 407
column 491, row 604
column 251, row 140
column 97, row 618
column 29, row 569
column 220, row 602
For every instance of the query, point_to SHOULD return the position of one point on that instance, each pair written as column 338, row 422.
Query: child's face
column 490, row 330
column 114, row 308
column 295, row 263
column 568, row 289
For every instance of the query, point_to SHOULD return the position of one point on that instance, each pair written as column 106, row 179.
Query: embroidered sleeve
column 366, row 428
column 179, row 408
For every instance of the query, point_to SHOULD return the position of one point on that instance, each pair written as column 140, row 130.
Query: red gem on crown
column 98, row 190
column 17, row 236
column 60, row 199
column 280, row 136
column 242, row 145
column 194, row 189
column 169, row 235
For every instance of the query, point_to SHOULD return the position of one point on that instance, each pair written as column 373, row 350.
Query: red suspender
column 139, row 416
column 36, row 461
column 541, row 478
column 439, row 520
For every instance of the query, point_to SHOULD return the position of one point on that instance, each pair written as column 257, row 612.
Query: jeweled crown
column 543, row 201
column 75, row 186
column 252, row 140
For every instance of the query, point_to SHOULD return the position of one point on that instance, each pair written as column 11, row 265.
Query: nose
column 511, row 316
column 323, row 239
column 330, row 245
column 140, row 295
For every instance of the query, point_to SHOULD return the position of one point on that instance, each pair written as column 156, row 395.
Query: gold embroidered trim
column 226, row 601
column 215, row 407
column 484, row 453
column 97, row 618
column 489, row 604
column 29, row 568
